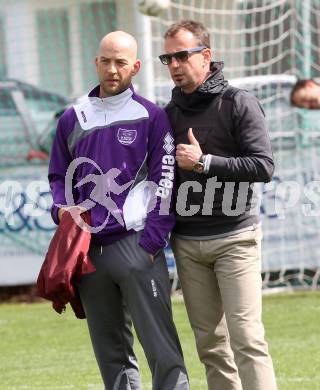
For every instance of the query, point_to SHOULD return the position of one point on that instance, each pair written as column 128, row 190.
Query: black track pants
column 127, row 281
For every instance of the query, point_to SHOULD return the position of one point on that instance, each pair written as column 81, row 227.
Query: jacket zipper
column 104, row 111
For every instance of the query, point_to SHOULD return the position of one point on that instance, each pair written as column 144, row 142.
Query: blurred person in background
column 122, row 140
column 306, row 94
column 222, row 147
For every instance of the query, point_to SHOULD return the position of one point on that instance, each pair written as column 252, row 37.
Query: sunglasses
column 180, row 56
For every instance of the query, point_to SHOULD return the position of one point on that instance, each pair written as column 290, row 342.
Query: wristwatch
column 199, row 165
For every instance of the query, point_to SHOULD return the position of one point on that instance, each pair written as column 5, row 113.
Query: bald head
column 119, row 41
column 116, row 62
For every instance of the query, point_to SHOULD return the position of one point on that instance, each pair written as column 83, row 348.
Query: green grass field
column 41, row 350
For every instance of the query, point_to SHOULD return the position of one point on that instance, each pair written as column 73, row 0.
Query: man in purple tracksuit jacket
column 113, row 154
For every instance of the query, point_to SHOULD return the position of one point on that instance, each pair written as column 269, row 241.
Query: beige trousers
column 221, row 285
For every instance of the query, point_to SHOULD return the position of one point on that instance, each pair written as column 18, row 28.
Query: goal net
column 252, row 37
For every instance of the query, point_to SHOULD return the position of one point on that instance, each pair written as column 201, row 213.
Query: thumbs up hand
column 192, row 138
column 188, row 155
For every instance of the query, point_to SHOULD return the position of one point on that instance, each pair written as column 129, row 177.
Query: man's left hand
column 188, row 155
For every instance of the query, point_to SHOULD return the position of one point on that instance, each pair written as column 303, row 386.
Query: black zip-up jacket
column 229, row 125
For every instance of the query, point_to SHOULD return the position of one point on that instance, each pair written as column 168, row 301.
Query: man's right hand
column 75, row 208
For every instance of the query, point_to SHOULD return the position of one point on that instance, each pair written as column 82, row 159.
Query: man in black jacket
column 222, row 149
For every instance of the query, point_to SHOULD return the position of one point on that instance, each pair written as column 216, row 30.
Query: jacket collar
column 115, row 102
column 212, row 86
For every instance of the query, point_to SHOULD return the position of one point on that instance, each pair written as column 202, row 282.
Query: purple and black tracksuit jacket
column 115, row 156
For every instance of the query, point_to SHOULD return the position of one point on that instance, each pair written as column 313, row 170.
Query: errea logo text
column 167, row 176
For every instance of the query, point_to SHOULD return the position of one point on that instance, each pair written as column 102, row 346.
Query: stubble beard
column 121, row 87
